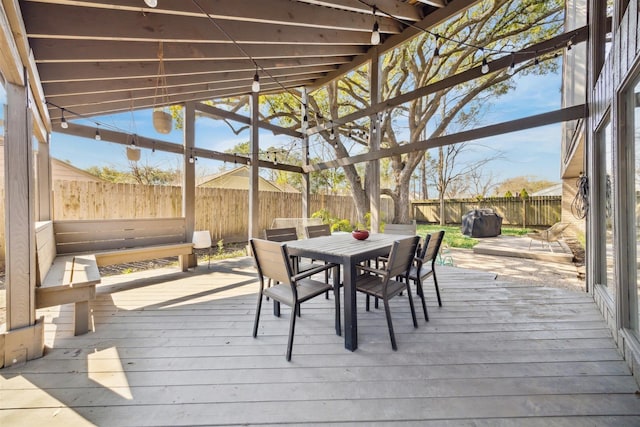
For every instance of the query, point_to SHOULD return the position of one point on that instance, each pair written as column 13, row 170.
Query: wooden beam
column 204, row 82
column 14, row 17
column 126, row 104
column 125, row 138
column 224, row 114
column 61, row 72
column 557, row 116
column 73, row 50
column 62, row 21
column 228, row 13
column 10, row 61
column 577, row 36
column 399, row 9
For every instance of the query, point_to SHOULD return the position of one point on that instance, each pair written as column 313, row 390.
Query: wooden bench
column 70, row 252
column 120, row 241
column 64, row 279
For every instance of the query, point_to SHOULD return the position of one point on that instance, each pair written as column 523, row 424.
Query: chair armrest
column 371, row 270
column 315, row 270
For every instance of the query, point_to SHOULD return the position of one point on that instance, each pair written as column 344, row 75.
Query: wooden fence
column 536, row 211
column 224, row 212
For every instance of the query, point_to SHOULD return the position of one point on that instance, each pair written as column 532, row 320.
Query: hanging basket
column 133, row 154
column 162, row 121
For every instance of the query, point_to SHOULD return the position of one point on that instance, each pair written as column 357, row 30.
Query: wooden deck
column 176, row 349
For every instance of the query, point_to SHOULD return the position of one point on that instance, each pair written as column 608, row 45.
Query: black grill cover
column 481, row 223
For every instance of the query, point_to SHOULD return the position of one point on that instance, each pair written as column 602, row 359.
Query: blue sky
column 534, row 152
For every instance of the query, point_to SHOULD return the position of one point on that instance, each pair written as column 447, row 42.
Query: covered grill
column 481, row 223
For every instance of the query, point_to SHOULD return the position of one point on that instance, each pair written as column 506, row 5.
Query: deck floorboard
column 176, row 349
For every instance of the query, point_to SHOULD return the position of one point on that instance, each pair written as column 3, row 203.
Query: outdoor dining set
column 380, row 266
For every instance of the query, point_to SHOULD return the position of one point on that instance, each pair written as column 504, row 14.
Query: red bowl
column 360, row 234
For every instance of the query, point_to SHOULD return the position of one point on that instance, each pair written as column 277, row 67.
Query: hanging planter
column 133, row 154
column 162, row 119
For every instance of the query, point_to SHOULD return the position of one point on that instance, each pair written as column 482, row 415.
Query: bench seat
column 70, row 279
column 123, row 256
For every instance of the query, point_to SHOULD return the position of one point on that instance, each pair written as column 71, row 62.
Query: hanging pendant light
column 151, row 3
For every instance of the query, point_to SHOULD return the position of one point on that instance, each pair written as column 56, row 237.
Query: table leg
column 336, row 296
column 350, row 315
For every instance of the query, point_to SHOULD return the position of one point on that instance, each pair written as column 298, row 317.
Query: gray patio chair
column 273, row 262
column 320, row 230
column 317, row 230
column 383, row 283
column 425, row 266
column 548, row 236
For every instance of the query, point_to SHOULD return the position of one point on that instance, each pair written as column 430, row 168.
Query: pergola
column 87, row 58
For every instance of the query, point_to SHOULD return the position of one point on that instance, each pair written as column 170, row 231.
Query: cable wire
column 580, row 203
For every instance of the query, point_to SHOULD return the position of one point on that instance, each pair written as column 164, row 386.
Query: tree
column 530, row 183
column 138, row 173
column 481, row 32
column 495, row 25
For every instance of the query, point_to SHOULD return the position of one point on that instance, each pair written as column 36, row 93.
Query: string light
column 536, row 61
column 98, row 137
column 375, row 33
column 255, row 86
column 436, row 52
column 153, row 147
column 332, row 135
column 63, row 121
column 512, row 68
column 485, row 63
column 275, row 159
column 151, row 3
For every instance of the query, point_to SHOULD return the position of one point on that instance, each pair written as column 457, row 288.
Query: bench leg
column 82, row 317
column 184, row 262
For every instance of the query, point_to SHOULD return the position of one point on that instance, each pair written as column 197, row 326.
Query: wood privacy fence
column 535, row 211
column 224, row 212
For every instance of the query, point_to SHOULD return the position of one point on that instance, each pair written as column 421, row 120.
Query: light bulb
column 485, row 66
column 255, row 86
column 151, row 3
column 436, row 57
column 63, row 121
column 512, row 69
column 191, row 159
column 98, row 137
column 375, row 34
column 332, row 135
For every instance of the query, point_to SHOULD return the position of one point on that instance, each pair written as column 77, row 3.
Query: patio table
column 348, row 252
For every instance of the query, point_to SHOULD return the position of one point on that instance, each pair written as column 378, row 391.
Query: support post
column 254, row 205
column 43, row 180
column 24, row 336
column 189, row 178
column 373, row 177
column 306, row 185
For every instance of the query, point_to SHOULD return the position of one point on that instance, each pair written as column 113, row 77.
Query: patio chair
column 550, row 235
column 317, row 230
column 312, row 231
column 273, row 262
column 383, row 284
column 404, row 229
column 425, row 266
